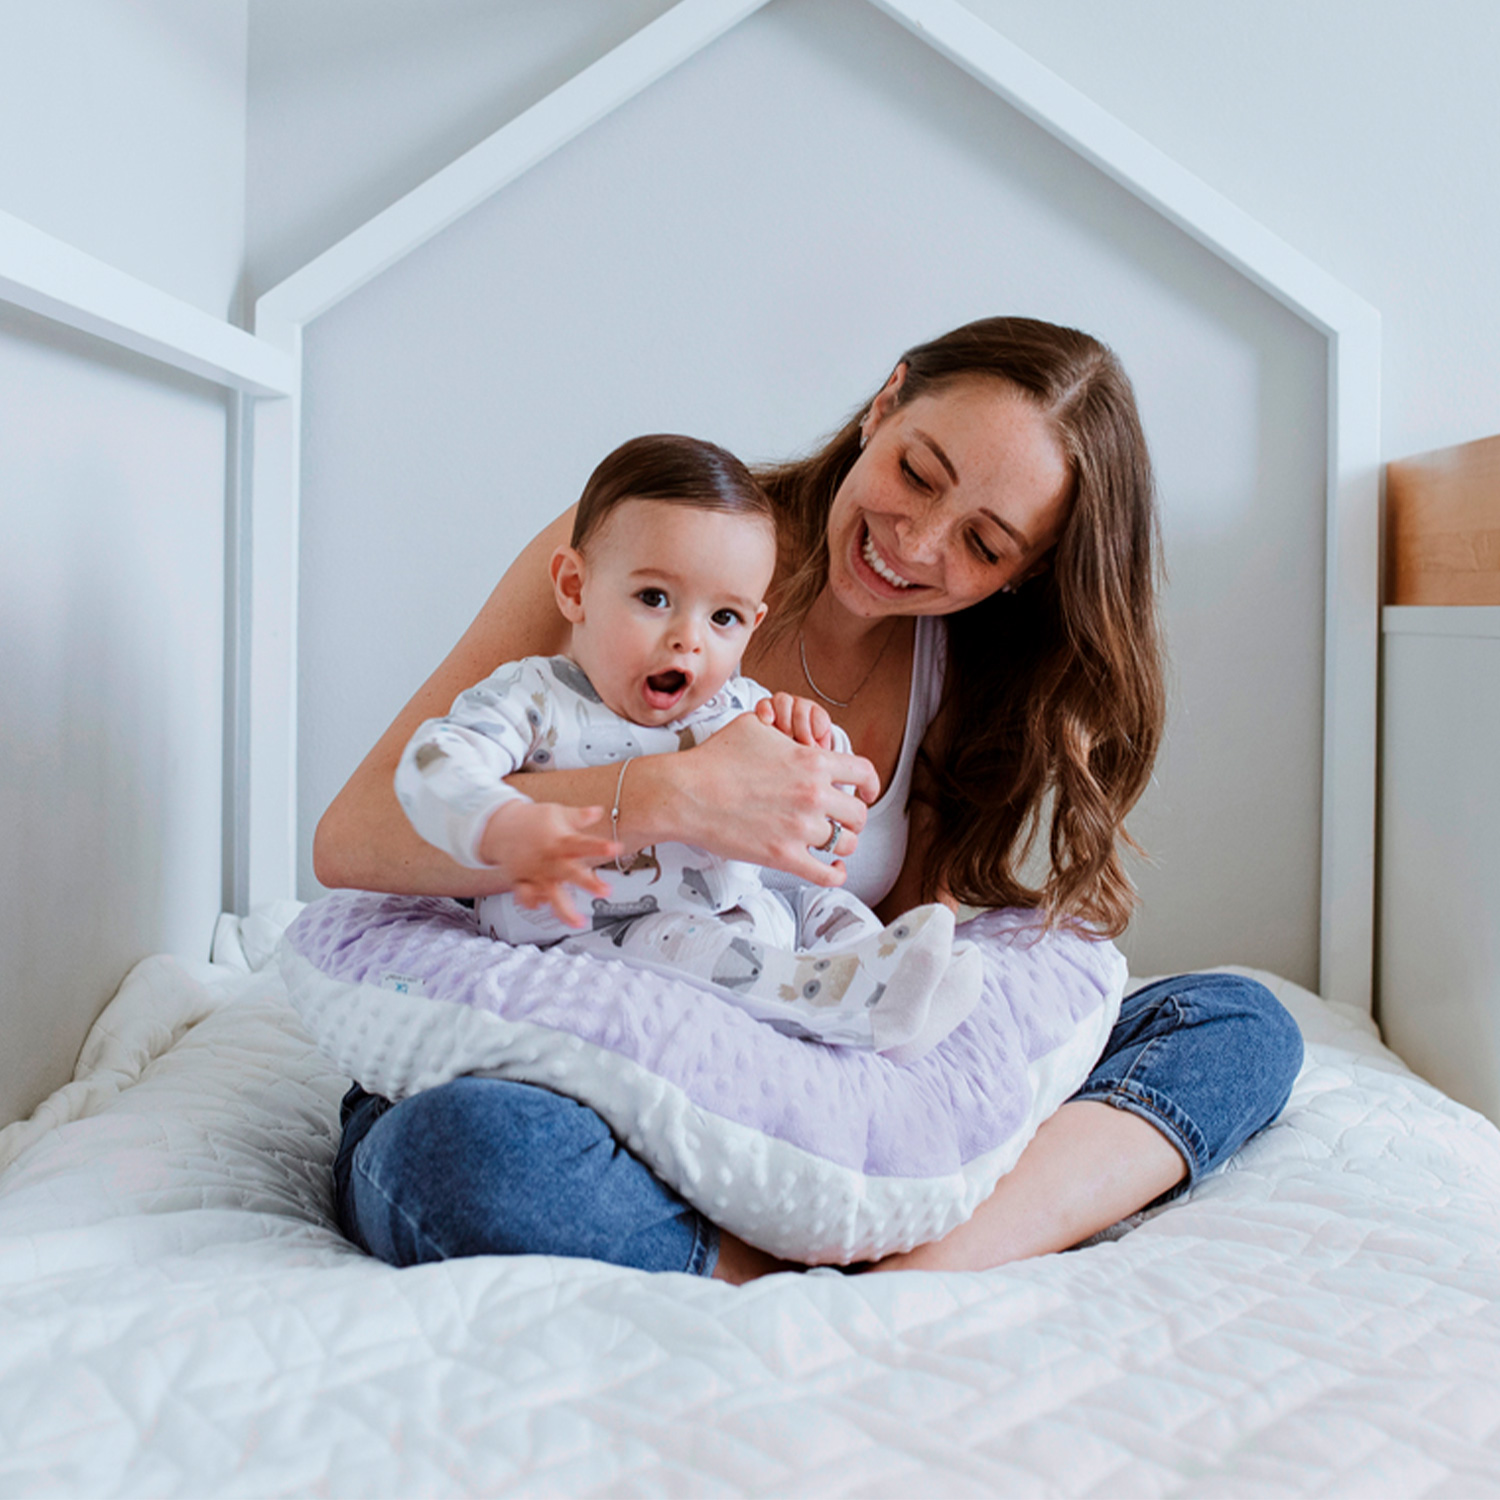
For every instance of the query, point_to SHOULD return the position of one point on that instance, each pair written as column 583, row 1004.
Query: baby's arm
column 450, row 781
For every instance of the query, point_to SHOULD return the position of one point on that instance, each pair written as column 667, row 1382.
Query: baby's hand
column 805, row 721
column 543, row 850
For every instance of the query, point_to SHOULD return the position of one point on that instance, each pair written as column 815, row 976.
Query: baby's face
column 668, row 599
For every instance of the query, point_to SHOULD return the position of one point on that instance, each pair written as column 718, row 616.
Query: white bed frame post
column 59, row 282
column 269, row 829
column 1351, row 658
column 41, row 273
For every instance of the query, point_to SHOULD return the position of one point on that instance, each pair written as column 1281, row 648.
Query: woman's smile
column 878, row 565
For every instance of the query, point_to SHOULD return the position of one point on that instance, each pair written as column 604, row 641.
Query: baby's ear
column 760, row 615
column 567, row 582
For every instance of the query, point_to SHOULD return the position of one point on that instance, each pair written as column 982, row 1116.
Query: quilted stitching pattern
column 178, row 1318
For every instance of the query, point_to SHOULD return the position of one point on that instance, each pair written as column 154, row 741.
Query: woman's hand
column 753, row 793
column 805, row 721
column 541, row 850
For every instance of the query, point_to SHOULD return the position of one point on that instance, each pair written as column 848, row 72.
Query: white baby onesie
column 812, row 961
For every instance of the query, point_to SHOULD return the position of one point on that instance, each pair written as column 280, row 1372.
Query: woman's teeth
column 877, row 565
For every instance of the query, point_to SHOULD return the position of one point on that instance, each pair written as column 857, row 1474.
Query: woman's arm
column 749, row 793
column 364, row 840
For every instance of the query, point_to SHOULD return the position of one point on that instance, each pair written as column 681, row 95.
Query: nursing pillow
column 815, row 1153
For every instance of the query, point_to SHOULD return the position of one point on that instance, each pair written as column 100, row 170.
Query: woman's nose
column 920, row 532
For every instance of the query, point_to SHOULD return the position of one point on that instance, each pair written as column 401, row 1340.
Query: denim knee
column 483, row 1166
column 1209, row 1059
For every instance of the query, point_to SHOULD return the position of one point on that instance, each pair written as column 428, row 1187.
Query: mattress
column 179, row 1316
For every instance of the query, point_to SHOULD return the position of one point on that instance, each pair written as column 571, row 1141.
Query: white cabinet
column 1439, row 950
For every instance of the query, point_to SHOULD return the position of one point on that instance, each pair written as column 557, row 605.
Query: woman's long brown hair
column 1054, row 700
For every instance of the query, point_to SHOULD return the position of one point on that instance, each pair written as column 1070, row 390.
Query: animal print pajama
column 813, row 962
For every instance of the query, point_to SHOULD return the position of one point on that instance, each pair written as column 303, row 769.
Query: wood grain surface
column 1443, row 526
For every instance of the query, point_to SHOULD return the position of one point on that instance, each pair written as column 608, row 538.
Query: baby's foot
column 948, row 1004
column 911, row 984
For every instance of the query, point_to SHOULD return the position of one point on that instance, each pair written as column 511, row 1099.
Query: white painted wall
column 742, row 252
column 122, row 132
column 1364, row 132
column 354, row 102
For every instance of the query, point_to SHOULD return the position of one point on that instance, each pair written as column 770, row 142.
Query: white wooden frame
column 47, row 276
column 106, row 303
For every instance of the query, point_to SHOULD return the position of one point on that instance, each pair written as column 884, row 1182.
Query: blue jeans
column 481, row 1166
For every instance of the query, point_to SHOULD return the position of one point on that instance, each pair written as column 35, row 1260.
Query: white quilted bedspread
column 179, row 1318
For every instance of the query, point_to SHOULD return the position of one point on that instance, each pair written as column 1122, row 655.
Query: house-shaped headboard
column 266, row 369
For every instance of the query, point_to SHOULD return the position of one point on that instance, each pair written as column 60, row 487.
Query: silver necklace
column 842, row 702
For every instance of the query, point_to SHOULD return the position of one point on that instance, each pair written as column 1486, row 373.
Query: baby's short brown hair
column 677, row 470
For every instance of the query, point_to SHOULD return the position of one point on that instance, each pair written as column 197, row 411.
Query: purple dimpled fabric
column 1047, row 996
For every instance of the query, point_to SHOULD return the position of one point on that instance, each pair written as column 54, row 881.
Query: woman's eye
column 652, row 598
column 913, row 477
column 727, row 617
column 981, row 551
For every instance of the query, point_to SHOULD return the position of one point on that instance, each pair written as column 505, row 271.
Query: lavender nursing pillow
column 818, row 1154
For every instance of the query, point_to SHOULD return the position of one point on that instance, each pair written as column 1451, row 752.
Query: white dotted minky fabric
column 817, row 1154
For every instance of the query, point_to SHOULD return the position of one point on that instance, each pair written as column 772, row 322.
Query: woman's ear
column 567, row 583
column 1037, row 567
column 884, row 404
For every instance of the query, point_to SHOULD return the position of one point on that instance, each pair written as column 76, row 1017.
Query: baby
column 663, row 584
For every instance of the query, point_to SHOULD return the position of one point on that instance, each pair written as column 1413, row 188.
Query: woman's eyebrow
column 1016, row 535
column 937, row 452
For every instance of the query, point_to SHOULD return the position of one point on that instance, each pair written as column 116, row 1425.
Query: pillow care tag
column 402, row 984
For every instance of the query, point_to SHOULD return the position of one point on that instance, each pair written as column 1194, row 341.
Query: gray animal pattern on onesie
column 815, row 962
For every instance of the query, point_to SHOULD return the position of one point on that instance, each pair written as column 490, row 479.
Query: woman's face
column 956, row 494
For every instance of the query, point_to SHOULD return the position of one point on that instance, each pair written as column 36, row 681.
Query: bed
column 178, row 1313
column 1321, row 1317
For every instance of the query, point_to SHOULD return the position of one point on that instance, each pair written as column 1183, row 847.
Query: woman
column 967, row 580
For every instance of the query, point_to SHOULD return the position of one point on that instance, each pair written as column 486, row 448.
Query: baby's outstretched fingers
column 800, row 718
column 560, row 899
column 548, row 853
column 776, row 711
column 812, row 724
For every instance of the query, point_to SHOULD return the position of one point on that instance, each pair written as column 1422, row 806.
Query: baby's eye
column 728, row 617
column 653, row 598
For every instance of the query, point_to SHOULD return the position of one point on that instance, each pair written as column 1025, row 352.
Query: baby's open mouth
column 664, row 688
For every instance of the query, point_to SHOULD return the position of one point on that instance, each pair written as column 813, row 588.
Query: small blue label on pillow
column 403, row 984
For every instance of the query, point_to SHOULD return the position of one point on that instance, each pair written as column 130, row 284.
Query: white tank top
column 877, row 861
